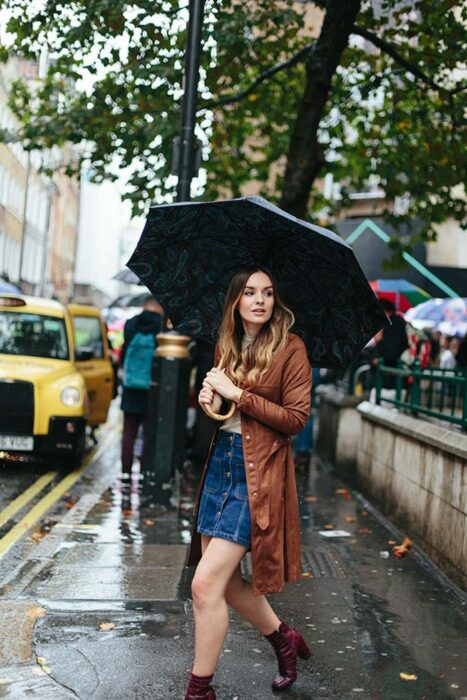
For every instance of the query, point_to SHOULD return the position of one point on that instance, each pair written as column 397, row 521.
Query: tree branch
column 389, row 49
column 268, row 73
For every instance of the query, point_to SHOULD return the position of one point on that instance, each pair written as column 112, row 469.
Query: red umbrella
column 403, row 294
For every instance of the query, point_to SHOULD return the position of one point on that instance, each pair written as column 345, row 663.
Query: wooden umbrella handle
column 218, row 416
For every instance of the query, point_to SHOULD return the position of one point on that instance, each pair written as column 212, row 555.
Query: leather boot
column 288, row 643
column 199, row 688
column 296, row 641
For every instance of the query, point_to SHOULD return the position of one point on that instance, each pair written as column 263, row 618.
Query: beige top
column 233, row 424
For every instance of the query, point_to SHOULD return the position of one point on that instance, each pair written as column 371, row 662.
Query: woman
column 248, row 496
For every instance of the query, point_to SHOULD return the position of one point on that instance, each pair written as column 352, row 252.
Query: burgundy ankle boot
column 288, row 643
column 199, row 688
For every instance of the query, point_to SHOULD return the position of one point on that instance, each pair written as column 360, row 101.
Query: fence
column 438, row 393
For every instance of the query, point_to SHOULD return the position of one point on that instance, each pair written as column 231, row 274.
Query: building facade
column 38, row 214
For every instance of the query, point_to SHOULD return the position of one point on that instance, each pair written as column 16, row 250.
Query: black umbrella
column 189, row 252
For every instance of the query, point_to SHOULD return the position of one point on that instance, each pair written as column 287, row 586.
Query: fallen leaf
column 365, row 531
column 329, row 527
column 307, row 574
column 37, row 536
column 408, row 676
column 402, row 549
column 392, row 541
column 127, row 512
column 36, row 612
column 107, row 626
column 348, row 518
column 148, row 521
column 311, row 499
column 364, row 513
column 40, row 660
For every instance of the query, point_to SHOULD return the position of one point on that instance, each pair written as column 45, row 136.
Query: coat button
column 250, row 464
column 254, row 493
column 247, row 437
column 227, row 473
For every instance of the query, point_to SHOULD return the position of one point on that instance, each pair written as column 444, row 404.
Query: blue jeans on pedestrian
column 303, row 442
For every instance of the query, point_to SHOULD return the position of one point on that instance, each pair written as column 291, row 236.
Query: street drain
column 319, row 563
column 323, row 563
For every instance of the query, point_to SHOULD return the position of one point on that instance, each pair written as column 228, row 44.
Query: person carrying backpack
column 136, row 360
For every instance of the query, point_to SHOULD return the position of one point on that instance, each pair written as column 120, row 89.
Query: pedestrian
column 304, row 441
column 449, row 347
column 136, row 359
column 393, row 339
column 248, row 496
column 461, row 356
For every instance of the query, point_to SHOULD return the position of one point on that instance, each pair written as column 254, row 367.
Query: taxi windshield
column 33, row 334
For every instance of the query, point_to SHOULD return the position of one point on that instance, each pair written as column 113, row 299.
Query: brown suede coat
column 277, row 408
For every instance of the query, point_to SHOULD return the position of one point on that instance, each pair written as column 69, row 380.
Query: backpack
column 137, row 366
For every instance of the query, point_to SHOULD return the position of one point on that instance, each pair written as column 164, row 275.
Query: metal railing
column 438, row 393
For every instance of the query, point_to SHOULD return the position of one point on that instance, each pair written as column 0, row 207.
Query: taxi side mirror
column 83, row 354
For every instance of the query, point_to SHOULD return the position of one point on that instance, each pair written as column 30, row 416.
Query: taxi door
column 90, row 339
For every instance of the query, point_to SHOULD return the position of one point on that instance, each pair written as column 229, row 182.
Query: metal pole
column 192, row 60
column 168, row 396
column 166, row 418
column 45, row 242
column 24, row 227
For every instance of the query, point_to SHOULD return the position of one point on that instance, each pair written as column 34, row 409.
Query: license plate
column 16, row 442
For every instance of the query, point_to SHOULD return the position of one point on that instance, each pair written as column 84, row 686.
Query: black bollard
column 165, row 429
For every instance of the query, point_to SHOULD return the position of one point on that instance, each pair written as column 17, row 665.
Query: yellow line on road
column 47, row 502
column 24, row 498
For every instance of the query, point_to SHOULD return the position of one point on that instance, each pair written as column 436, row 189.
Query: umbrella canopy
column 126, row 276
column 189, row 252
column 402, row 293
column 446, row 315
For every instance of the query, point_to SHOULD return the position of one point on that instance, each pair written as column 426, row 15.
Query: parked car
column 56, row 377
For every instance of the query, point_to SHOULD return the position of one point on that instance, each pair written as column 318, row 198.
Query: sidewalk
column 104, row 601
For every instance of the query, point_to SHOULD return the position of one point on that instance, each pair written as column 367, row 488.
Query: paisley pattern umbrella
column 189, row 252
column 402, row 293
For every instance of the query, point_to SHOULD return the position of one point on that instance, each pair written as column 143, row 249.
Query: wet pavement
column 100, row 608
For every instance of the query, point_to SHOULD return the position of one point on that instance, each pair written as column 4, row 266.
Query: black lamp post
column 192, row 59
column 168, row 396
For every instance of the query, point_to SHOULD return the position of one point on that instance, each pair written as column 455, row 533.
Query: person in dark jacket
column 391, row 341
column 135, row 400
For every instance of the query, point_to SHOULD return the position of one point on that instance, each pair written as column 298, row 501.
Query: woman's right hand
column 208, row 396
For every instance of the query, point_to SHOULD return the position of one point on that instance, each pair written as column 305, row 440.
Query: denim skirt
column 224, row 510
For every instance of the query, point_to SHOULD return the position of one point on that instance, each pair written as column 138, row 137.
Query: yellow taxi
column 56, row 377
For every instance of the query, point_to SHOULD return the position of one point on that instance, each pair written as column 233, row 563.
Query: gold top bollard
column 173, row 345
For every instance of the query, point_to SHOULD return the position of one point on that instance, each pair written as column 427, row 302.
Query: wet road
column 109, row 597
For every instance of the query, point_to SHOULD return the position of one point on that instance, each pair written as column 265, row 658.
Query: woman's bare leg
column 254, row 608
column 220, row 559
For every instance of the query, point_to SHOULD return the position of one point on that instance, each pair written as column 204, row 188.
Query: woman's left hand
column 224, row 386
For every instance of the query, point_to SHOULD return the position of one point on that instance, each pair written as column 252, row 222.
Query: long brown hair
column 253, row 362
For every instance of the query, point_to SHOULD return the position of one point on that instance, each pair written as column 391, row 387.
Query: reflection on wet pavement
column 119, row 621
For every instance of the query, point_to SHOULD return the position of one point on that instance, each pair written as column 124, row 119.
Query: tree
column 374, row 94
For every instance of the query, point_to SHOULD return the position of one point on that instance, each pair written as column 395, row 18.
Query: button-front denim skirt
column 224, row 510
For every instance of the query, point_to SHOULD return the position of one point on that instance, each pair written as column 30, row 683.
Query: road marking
column 47, row 501
column 24, row 498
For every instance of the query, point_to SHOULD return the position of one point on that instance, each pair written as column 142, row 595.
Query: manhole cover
column 321, row 563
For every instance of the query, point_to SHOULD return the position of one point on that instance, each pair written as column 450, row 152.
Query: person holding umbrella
column 189, row 256
column 248, row 499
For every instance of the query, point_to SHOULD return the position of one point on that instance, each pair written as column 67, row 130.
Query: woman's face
column 257, row 301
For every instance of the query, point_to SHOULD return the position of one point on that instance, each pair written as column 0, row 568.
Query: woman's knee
column 203, row 589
